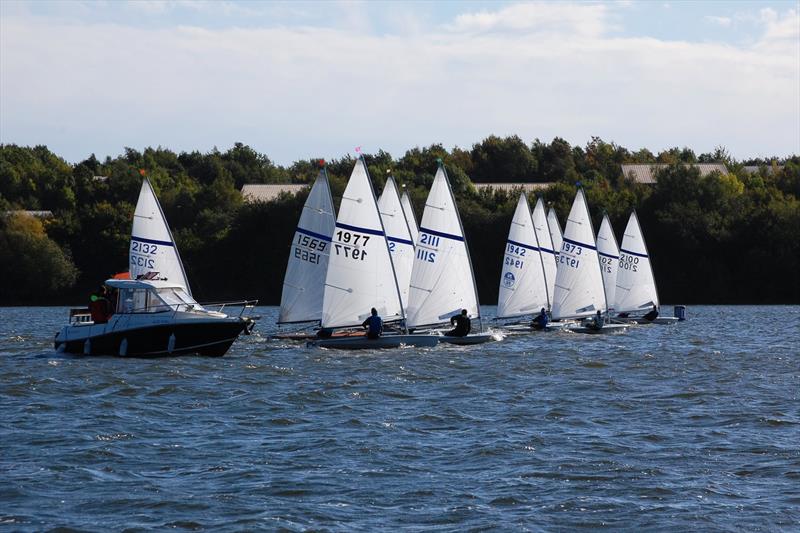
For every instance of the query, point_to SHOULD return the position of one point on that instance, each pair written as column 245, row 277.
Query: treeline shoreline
column 724, row 238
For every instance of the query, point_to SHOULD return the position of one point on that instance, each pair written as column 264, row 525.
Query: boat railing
column 246, row 306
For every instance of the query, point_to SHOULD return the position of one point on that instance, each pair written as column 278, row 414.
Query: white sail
column 545, row 246
column 360, row 272
column 304, row 282
column 555, row 231
column 153, row 248
column 608, row 251
column 636, row 285
column 401, row 245
column 523, row 289
column 408, row 209
column 442, row 282
column 579, row 283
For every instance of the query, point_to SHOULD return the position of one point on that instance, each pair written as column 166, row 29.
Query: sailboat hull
column 388, row 341
column 663, row 320
column 210, row 337
column 478, row 338
column 607, row 329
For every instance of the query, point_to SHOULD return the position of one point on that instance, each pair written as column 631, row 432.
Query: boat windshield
column 155, row 300
column 178, row 299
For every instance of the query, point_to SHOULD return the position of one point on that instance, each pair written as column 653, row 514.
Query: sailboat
column 608, row 251
column 523, row 285
column 579, row 291
column 636, row 285
column 545, row 245
column 304, row 282
column 398, row 233
column 442, row 281
column 360, row 273
column 154, row 313
column 408, row 209
column 555, row 231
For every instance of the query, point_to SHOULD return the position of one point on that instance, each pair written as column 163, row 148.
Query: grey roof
column 265, row 193
column 647, row 173
column 37, row 214
column 753, row 169
column 509, row 187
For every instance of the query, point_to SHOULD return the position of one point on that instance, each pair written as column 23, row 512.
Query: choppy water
column 694, row 426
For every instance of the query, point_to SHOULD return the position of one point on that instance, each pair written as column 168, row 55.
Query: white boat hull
column 605, row 330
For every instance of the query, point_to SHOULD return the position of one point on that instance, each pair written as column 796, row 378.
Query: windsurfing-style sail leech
column 153, row 248
column 304, row 282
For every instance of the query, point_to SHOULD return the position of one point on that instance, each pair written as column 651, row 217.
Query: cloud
column 725, row 22
column 296, row 92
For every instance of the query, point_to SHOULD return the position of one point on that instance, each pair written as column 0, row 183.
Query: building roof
column 509, row 187
column 753, row 169
column 37, row 214
column 647, row 173
column 267, row 192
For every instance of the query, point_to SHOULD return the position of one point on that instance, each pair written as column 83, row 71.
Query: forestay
column 408, row 209
column 636, row 285
column 523, row 289
column 360, row 272
column 442, row 283
column 545, row 245
column 555, row 231
column 304, row 282
column 398, row 234
column 152, row 247
column 608, row 251
column 579, row 284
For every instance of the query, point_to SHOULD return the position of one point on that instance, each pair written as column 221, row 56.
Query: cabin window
column 177, row 299
column 141, row 301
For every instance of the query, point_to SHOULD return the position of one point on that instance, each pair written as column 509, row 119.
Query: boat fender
column 87, row 347
column 123, row 347
column 171, row 343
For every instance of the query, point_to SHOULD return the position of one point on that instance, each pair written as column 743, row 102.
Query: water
column 693, row 426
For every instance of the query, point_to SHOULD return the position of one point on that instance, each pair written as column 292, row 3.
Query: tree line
column 722, row 238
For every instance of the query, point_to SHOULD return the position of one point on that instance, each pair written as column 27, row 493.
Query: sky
column 302, row 80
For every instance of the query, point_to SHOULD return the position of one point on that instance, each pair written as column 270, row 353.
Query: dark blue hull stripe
column 360, row 230
column 632, row 253
column 401, row 241
column 441, row 234
column 152, row 241
column 576, row 243
column 527, row 246
column 319, row 236
column 608, row 255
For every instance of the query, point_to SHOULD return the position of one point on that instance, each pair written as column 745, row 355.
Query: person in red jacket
column 100, row 306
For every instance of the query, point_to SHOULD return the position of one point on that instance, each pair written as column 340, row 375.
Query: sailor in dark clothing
column 652, row 315
column 373, row 324
column 540, row 322
column 596, row 322
column 463, row 325
column 100, row 306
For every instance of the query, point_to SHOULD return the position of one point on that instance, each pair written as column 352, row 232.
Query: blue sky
column 315, row 79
